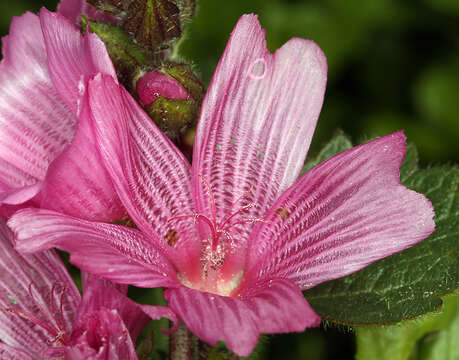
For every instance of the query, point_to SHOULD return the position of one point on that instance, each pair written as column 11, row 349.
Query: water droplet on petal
column 257, row 70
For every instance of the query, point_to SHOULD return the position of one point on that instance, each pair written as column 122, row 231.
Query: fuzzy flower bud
column 171, row 95
column 155, row 84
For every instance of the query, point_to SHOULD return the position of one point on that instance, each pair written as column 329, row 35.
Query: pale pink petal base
column 341, row 216
column 276, row 306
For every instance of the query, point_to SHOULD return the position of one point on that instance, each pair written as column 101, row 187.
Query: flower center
column 51, row 320
column 216, row 247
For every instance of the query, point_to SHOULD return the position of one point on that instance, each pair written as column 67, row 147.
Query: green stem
column 181, row 344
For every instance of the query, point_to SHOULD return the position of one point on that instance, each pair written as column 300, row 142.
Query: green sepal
column 153, row 23
column 425, row 338
column 127, row 56
column 184, row 74
column 173, row 116
column 411, row 283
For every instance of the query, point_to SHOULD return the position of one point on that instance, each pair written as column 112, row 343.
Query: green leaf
column 410, row 283
column 427, row 338
column 339, row 143
column 442, row 345
column 410, row 163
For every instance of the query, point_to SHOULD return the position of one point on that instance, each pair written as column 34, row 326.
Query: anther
column 283, row 213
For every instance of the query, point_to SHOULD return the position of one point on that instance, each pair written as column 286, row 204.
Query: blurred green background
column 392, row 65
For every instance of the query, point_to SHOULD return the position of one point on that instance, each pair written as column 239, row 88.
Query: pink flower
column 48, row 156
column 236, row 237
column 43, row 316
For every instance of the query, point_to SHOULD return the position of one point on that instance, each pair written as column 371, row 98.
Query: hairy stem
column 181, row 344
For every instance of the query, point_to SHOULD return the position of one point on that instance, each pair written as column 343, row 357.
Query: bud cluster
column 140, row 40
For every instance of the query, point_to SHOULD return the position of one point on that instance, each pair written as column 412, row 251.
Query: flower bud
column 171, row 95
column 155, row 84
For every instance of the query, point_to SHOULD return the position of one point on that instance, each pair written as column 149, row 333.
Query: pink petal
column 11, row 353
column 20, row 195
column 72, row 9
column 35, row 125
column 158, row 312
column 72, row 58
column 103, row 336
column 341, row 216
column 150, row 174
column 77, row 182
column 27, row 283
column 98, row 294
column 114, row 252
column 257, row 121
column 279, row 306
column 276, row 306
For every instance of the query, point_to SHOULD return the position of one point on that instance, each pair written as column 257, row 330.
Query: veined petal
column 35, row 124
column 72, row 58
column 29, row 284
column 150, row 174
column 77, row 182
column 114, row 252
column 274, row 306
column 99, row 293
column 103, row 336
column 11, row 353
column 341, row 216
column 278, row 306
column 256, row 123
column 213, row 318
